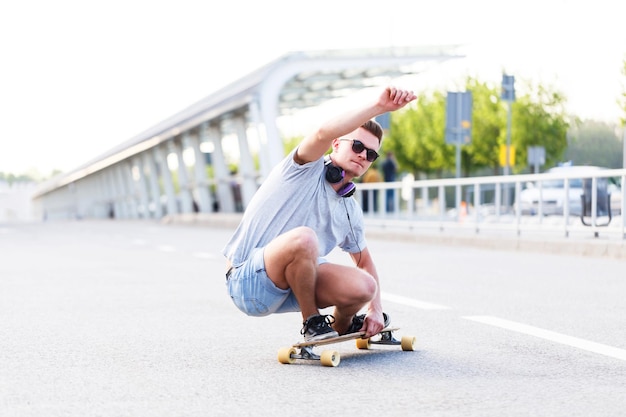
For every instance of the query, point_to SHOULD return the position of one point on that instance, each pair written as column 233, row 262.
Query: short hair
column 374, row 128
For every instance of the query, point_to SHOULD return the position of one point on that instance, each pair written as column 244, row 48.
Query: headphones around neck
column 335, row 174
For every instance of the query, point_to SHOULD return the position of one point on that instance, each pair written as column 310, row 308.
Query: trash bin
column 603, row 197
column 603, row 202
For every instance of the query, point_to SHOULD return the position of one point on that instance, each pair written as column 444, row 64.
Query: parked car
column 551, row 193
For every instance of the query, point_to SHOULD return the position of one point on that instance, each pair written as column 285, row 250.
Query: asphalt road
column 132, row 319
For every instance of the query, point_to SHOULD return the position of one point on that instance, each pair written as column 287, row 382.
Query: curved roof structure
column 293, row 82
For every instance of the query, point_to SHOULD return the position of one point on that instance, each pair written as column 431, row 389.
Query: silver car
column 551, row 194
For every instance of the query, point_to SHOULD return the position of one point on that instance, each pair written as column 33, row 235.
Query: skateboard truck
column 306, row 352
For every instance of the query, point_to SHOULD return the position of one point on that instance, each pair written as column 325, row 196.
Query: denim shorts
column 254, row 293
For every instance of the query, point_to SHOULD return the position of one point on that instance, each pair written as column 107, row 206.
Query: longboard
column 304, row 350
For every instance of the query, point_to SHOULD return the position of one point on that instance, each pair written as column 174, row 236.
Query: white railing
column 492, row 203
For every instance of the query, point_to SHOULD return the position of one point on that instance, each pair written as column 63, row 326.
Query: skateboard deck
column 304, row 350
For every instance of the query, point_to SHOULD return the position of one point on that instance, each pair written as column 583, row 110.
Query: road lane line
column 411, row 302
column 552, row 336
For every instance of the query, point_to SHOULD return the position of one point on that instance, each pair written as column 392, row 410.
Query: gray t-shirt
column 296, row 195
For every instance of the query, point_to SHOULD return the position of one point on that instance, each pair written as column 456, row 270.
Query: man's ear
column 335, row 144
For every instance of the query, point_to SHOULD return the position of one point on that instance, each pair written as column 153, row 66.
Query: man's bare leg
column 291, row 262
column 346, row 288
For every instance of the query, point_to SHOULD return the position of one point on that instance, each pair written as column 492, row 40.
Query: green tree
column 488, row 128
column 417, row 138
column 594, row 143
column 539, row 119
column 417, row 135
column 290, row 143
column 622, row 101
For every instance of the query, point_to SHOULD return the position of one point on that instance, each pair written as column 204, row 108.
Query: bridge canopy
column 294, row 82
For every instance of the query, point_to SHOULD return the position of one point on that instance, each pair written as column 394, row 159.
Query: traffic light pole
column 508, row 94
column 458, row 131
column 507, row 166
column 459, row 141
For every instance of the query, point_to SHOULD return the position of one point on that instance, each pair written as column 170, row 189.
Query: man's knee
column 304, row 241
column 370, row 287
column 363, row 289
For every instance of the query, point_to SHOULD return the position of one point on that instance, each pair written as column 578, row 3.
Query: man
column 389, row 170
column 301, row 212
column 372, row 175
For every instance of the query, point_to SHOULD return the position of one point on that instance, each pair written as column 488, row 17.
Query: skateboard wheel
column 408, row 343
column 362, row 343
column 330, row 358
column 284, row 355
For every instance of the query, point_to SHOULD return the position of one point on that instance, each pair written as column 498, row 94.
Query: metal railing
column 482, row 205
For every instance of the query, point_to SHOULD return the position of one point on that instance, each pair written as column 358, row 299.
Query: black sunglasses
column 358, row 147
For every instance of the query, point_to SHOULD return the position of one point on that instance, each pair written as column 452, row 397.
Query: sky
column 79, row 77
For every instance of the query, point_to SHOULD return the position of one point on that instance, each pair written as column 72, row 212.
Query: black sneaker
column 357, row 323
column 318, row 327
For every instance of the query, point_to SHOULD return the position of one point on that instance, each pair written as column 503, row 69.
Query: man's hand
column 394, row 98
column 373, row 323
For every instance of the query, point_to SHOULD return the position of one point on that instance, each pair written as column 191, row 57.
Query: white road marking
column 489, row 320
column 411, row 302
column 552, row 336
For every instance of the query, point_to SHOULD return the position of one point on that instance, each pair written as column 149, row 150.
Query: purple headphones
column 335, row 174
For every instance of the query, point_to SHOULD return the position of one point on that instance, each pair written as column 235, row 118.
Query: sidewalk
column 551, row 240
